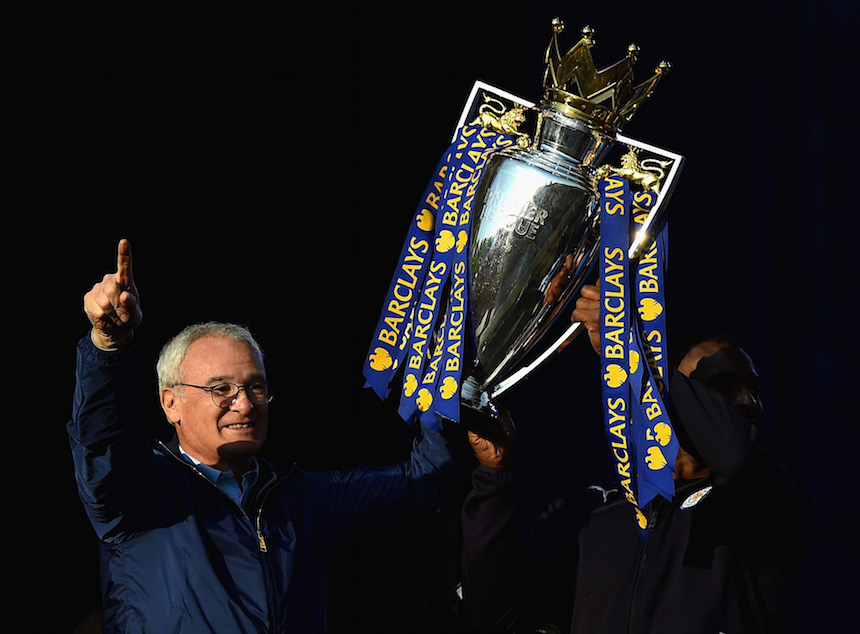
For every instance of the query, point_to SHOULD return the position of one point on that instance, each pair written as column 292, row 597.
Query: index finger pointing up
column 123, row 264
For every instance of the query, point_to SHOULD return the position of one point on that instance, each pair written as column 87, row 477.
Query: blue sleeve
column 491, row 564
column 368, row 497
column 112, row 453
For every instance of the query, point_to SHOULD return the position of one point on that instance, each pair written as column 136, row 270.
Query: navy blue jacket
column 722, row 556
column 180, row 556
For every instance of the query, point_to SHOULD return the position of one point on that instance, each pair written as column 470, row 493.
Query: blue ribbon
column 422, row 329
column 392, row 333
column 656, row 443
column 633, row 343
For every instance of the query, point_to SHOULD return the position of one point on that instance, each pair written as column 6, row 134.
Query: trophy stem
column 572, row 138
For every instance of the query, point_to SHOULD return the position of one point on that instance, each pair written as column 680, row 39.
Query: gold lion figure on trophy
column 649, row 173
column 494, row 116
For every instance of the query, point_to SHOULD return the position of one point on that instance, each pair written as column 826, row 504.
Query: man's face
column 730, row 373
column 221, row 438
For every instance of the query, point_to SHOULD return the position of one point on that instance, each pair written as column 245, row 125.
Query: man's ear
column 170, row 404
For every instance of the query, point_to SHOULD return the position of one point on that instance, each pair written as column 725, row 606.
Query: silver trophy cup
column 536, row 231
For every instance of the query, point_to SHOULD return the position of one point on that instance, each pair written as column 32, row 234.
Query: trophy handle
column 655, row 217
column 663, row 196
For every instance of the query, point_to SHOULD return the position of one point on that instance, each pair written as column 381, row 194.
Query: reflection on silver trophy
column 536, row 227
column 507, row 231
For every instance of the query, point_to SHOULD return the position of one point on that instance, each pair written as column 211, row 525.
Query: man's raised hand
column 113, row 305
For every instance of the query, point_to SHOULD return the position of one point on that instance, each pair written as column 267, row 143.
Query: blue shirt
column 226, row 480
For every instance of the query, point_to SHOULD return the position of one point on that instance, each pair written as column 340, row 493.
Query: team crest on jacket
column 695, row 498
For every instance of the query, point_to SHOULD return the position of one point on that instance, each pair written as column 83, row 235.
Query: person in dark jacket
column 201, row 534
column 722, row 556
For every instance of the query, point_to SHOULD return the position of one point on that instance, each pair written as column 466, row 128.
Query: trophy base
column 476, row 398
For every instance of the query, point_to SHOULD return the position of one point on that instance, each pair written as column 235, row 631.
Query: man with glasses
column 201, row 534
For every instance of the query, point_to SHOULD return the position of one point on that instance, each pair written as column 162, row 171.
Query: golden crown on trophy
column 606, row 99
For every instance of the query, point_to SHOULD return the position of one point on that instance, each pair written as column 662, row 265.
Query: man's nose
column 241, row 402
column 748, row 404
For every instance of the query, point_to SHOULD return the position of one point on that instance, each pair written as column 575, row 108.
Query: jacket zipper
column 636, row 597
column 262, row 496
column 256, row 524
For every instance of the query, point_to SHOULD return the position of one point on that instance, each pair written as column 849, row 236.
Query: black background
column 265, row 166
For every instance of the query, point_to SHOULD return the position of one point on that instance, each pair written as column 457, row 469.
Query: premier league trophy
column 507, row 231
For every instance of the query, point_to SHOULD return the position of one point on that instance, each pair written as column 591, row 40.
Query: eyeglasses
column 225, row 394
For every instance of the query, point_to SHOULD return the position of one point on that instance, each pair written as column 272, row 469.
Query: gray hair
column 175, row 350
